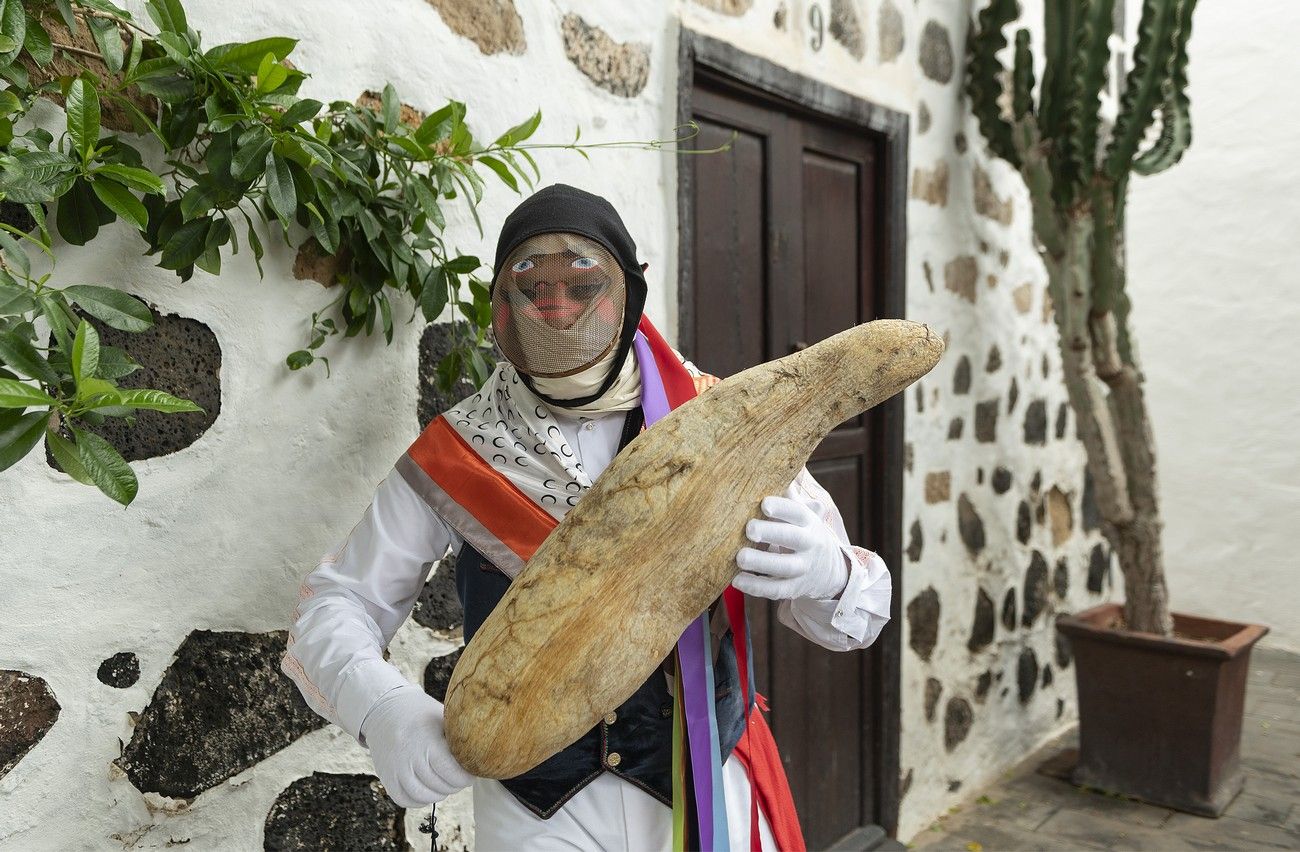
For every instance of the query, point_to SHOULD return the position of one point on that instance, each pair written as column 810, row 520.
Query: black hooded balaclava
column 563, row 208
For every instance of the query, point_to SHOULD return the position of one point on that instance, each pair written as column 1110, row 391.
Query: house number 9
column 818, row 24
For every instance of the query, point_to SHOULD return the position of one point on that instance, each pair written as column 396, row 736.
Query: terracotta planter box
column 1160, row 719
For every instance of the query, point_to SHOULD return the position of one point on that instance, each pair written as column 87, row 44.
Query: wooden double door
column 781, row 248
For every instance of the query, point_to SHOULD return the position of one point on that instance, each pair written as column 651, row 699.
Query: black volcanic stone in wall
column 1062, row 419
column 1089, row 512
column 1098, row 569
column 986, row 421
column 1013, row 395
column 435, row 344
column 1035, row 595
column 1061, row 577
column 994, row 360
column 936, row 52
column 961, row 376
column 28, row 709
column 982, row 684
column 438, row 606
column 981, row 632
column 178, row 355
column 120, row 670
column 1036, row 484
column 1047, row 675
column 957, row 719
column 1009, row 610
column 1063, row 653
column 933, row 689
column 923, row 622
column 1027, row 674
column 955, row 427
column 329, row 811
column 437, row 674
column 15, row 214
column 222, row 706
column 1024, row 522
column 969, row 525
column 915, row 542
column 1036, row 422
column 1001, row 480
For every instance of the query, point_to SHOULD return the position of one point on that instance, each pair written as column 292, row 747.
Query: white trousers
column 608, row 815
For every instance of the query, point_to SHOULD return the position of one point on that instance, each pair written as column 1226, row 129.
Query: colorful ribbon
column 695, row 667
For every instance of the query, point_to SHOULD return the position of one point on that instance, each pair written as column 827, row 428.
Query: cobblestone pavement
column 1028, row 809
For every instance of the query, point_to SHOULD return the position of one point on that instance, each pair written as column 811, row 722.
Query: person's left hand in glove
column 808, row 561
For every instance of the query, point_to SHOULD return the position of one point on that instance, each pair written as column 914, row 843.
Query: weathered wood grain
column 653, row 543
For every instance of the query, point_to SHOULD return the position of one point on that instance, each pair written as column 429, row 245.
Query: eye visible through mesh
column 557, row 304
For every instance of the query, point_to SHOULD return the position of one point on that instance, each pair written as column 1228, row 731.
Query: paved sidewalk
column 1030, row 810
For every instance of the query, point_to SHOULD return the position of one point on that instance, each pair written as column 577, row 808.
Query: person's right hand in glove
column 404, row 734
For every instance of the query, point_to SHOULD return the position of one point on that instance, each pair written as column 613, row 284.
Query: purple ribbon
column 694, row 654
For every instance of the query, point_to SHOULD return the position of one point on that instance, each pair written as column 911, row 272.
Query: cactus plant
column 1077, row 175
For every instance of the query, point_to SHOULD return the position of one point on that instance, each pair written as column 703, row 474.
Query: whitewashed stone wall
column 997, row 530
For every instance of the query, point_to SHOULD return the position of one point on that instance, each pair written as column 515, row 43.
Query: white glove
column 807, row 561
column 404, row 734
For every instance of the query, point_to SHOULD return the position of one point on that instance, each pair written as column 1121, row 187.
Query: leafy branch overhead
column 1077, row 172
column 240, row 150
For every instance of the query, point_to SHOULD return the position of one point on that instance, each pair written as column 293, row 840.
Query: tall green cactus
column 1077, row 173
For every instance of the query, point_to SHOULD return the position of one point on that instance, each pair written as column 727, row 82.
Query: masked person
column 583, row 369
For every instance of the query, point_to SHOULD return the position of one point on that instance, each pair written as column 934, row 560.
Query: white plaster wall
column 222, row 530
column 1213, row 255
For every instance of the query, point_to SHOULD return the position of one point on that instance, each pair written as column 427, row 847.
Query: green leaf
column 502, row 171
column 15, row 254
column 431, row 129
column 77, row 216
column 114, row 307
column 198, row 200
column 433, row 298
column 83, row 116
column 120, row 200
column 186, row 245
column 18, row 438
column 463, row 265
column 141, row 180
column 250, row 158
column 13, row 24
column 65, row 11
column 15, row 300
column 114, row 363
column 85, row 353
column 392, row 108
column 37, row 42
column 155, row 400
column 15, row 394
column 19, row 353
column 520, row 131
column 56, row 315
column 65, row 453
column 109, row 40
column 386, row 314
column 7, row 44
column 169, row 15
column 303, row 110
column 270, row 74
column 247, row 57
column 106, row 466
column 280, row 188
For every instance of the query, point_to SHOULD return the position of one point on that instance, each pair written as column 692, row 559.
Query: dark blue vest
column 634, row 741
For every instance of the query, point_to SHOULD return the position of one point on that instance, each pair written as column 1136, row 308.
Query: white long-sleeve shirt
column 351, row 605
